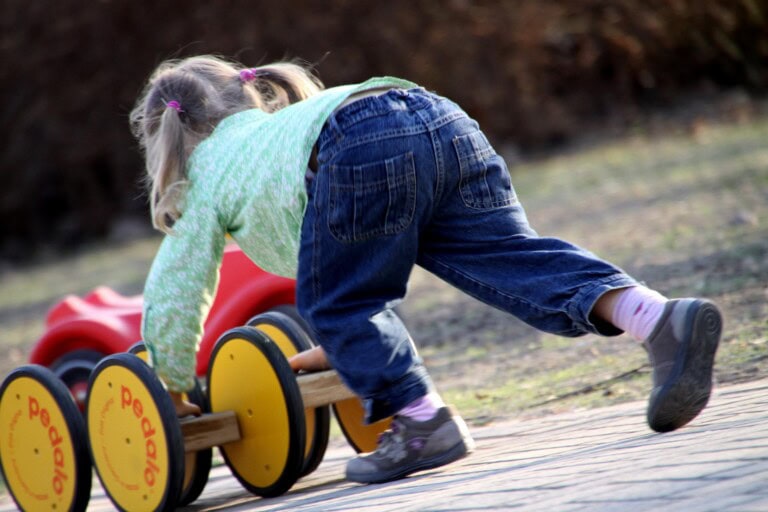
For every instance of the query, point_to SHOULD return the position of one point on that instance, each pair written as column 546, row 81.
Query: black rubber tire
column 74, row 370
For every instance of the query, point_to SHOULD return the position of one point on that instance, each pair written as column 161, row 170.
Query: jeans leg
column 545, row 282
column 480, row 240
column 358, row 246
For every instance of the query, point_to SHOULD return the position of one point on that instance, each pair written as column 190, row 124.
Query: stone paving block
column 721, row 502
column 678, row 470
column 596, row 461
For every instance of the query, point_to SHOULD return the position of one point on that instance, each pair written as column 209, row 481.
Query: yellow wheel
column 350, row 416
column 43, row 444
column 293, row 313
column 283, row 328
column 249, row 374
column 197, row 465
column 135, row 439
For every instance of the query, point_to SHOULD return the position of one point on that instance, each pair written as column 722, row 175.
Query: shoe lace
column 392, row 443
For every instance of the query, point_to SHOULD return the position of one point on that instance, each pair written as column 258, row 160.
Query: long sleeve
column 178, row 295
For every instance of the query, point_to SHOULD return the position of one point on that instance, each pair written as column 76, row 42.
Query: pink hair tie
column 248, row 75
column 175, row 105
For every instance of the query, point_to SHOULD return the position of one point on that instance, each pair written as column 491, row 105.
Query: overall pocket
column 373, row 199
column 485, row 181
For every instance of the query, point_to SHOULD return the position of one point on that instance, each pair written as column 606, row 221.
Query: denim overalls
column 408, row 178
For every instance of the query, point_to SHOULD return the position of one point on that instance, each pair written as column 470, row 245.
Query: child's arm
column 178, row 295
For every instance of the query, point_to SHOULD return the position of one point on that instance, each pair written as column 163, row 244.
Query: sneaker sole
column 457, row 452
column 689, row 386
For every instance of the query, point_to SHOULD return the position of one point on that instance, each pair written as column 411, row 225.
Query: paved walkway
column 598, row 460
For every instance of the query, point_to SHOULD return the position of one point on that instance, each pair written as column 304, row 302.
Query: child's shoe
column 410, row 446
column 682, row 350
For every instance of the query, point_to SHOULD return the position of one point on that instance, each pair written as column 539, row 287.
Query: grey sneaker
column 682, row 351
column 410, row 446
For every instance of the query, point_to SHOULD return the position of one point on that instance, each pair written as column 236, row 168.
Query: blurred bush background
column 536, row 74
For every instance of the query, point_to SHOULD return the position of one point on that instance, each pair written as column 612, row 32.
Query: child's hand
column 312, row 360
column 184, row 408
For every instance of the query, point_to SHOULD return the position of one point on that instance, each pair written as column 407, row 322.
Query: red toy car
column 81, row 331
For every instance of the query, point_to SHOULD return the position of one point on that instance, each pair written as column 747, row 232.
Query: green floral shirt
column 246, row 180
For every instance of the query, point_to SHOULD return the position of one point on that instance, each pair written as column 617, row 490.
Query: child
column 346, row 189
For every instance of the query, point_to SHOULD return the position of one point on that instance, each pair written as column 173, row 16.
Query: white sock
column 638, row 310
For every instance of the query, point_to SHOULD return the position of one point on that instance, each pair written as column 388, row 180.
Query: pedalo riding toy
column 270, row 424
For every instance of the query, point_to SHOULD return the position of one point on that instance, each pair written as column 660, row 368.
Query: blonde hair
column 184, row 100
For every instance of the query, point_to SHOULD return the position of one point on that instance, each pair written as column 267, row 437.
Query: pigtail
column 169, row 120
column 166, row 169
column 282, row 83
